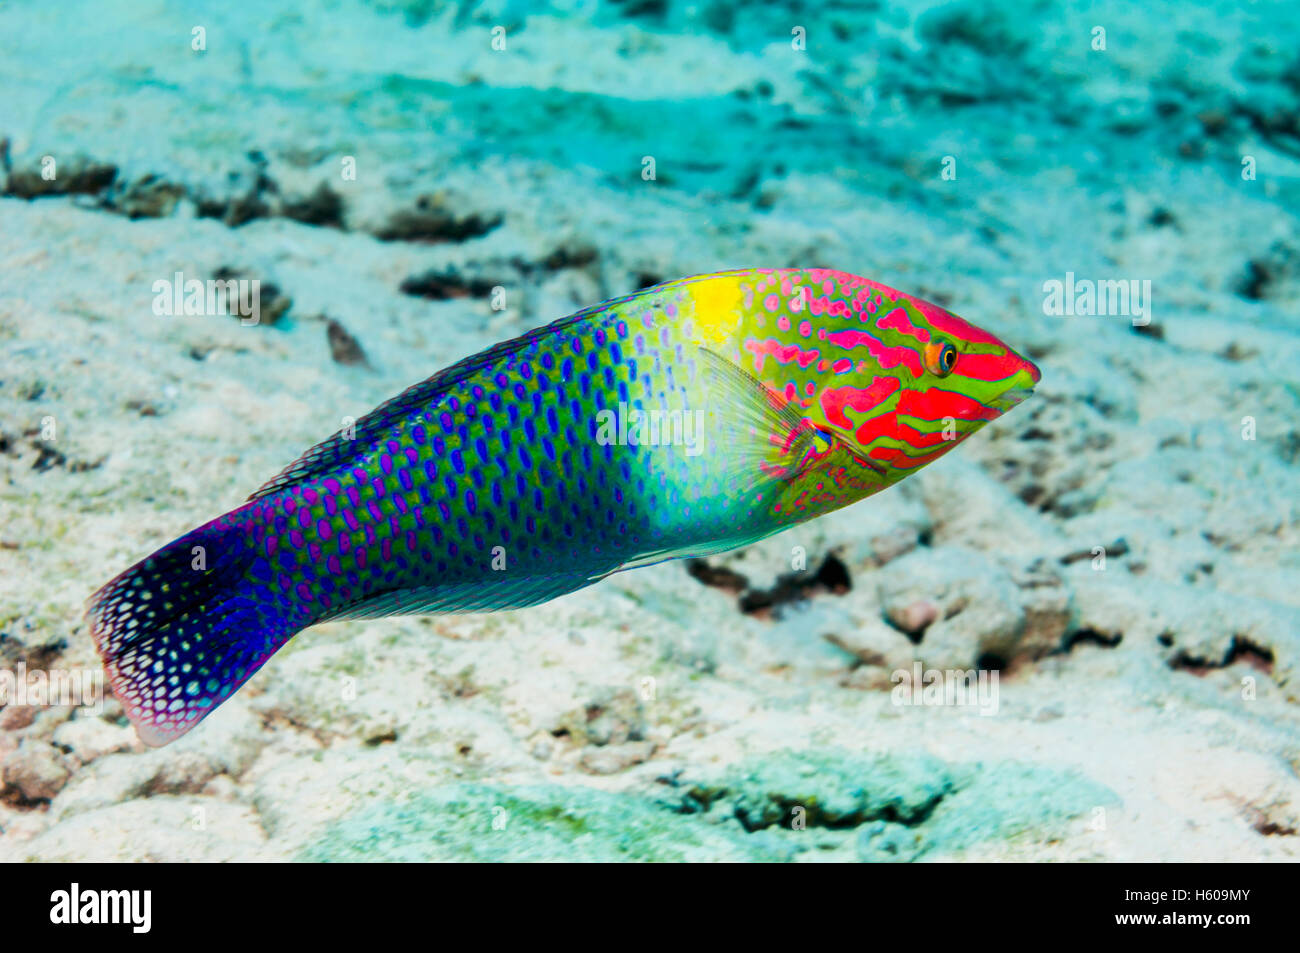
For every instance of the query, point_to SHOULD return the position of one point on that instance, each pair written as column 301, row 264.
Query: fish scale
column 683, row 420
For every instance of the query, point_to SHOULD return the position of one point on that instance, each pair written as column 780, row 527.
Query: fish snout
column 1020, row 386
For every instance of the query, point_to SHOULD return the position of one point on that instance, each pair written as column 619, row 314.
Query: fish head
column 896, row 380
column 922, row 380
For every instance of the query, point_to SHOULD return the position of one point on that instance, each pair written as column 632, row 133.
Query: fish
column 684, row 420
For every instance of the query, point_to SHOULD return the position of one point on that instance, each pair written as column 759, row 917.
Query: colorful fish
column 686, row 419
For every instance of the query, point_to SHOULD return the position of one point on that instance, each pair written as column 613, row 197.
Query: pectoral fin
column 759, row 437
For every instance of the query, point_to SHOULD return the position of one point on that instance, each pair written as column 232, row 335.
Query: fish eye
column 940, row 359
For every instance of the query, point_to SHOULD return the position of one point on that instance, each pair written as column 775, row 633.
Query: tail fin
column 180, row 631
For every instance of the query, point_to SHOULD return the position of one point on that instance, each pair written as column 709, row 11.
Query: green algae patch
column 783, row 806
column 891, row 807
column 479, row 822
column 825, row 789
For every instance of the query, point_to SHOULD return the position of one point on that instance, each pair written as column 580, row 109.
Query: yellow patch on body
column 718, row 310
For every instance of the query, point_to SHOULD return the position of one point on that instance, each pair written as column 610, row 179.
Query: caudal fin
column 180, row 631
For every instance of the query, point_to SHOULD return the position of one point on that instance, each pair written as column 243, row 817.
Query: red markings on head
column 898, row 320
column 900, row 460
column 945, row 322
column 988, row 367
column 904, row 462
column 935, row 404
column 859, row 399
column 821, row 275
column 886, row 357
column 953, row 326
column 783, row 353
column 920, row 440
column 882, row 425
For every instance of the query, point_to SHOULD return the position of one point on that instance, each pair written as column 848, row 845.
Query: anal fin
column 494, row 592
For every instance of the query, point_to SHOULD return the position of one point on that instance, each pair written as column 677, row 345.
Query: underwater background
column 411, row 182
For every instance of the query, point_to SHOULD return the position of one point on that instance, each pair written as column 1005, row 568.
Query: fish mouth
column 1020, row 387
column 1011, row 397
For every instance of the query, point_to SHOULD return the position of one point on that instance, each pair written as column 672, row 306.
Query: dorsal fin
column 391, row 415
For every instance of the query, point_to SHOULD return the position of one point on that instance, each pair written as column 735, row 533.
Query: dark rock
column 344, row 348
column 75, row 175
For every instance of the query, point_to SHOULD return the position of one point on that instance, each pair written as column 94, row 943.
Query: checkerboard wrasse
column 687, row 419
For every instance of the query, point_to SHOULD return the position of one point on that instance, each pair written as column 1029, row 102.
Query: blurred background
column 410, row 182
